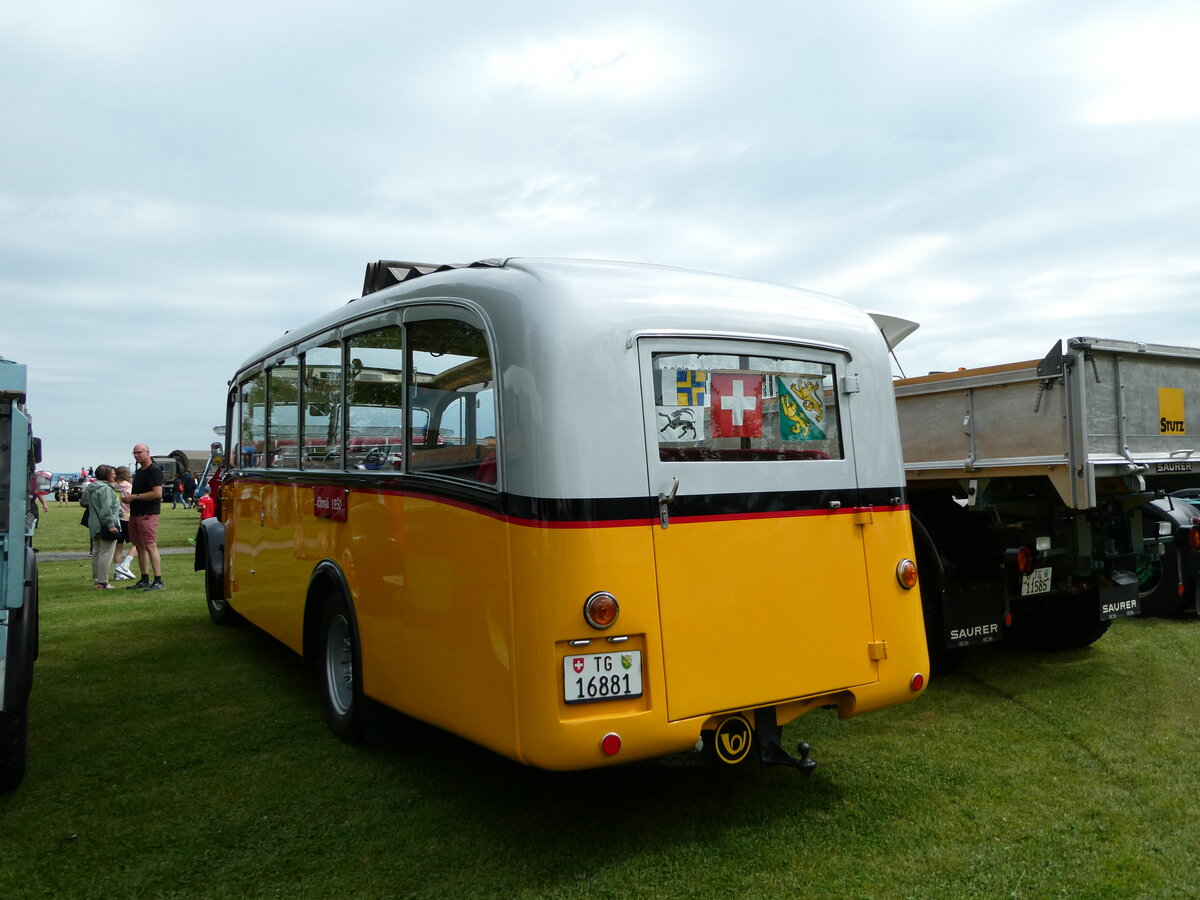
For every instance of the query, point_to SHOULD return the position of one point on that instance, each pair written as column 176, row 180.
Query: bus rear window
column 744, row 408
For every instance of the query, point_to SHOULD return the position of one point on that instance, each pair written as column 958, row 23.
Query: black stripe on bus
column 567, row 511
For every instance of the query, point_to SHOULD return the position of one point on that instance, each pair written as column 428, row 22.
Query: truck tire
column 14, row 730
column 1067, row 623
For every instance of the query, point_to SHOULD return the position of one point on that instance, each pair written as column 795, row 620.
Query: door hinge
column 864, row 517
column 850, row 384
column 877, row 650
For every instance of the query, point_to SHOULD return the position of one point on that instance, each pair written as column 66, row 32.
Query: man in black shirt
column 145, row 504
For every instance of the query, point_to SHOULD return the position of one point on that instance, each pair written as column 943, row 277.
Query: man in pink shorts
column 145, row 504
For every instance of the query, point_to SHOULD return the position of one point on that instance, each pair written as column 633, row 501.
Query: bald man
column 145, row 504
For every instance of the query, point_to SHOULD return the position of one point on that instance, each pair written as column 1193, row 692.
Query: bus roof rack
column 387, row 272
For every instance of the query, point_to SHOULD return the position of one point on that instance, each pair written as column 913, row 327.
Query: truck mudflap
column 976, row 615
column 1118, row 595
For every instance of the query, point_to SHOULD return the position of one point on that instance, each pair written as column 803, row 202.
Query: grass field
column 169, row 757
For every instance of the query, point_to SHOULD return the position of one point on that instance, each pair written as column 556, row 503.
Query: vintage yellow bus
column 581, row 513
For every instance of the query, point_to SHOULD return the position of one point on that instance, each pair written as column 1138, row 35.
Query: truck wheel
column 14, row 728
column 1158, row 586
column 1067, row 623
column 341, row 673
column 219, row 609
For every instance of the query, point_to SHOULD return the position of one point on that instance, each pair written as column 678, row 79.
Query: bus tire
column 219, row 609
column 14, row 729
column 341, row 672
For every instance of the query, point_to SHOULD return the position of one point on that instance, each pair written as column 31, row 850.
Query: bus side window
column 322, row 448
column 375, row 400
column 452, row 380
column 253, row 420
column 283, row 417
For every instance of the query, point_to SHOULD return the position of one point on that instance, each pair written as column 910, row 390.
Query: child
column 121, row 571
column 206, row 504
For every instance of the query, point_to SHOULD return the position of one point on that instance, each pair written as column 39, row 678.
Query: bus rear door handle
column 665, row 500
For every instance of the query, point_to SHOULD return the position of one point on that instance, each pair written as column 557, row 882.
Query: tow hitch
column 770, row 744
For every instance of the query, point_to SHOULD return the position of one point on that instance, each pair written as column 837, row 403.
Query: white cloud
column 622, row 63
column 1144, row 66
column 903, row 257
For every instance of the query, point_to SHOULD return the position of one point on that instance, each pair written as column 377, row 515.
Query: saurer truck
column 1037, row 490
column 19, row 454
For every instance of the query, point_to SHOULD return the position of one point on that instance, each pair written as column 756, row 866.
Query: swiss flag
column 736, row 405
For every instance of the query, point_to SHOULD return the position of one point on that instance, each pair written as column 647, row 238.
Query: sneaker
column 119, row 576
column 123, row 572
column 156, row 586
column 140, row 586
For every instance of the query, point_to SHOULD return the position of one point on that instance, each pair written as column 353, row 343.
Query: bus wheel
column 341, row 673
column 219, row 609
column 13, row 731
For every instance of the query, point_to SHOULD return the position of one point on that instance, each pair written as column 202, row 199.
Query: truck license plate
column 1036, row 582
column 589, row 677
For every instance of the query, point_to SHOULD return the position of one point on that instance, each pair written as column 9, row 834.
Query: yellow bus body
column 443, row 642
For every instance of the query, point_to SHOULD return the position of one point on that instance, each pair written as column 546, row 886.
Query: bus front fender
column 210, row 547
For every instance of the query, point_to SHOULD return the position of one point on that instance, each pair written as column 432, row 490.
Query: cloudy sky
column 180, row 183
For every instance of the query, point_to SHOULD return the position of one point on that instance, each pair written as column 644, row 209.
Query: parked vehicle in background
column 75, row 487
column 1167, row 582
column 20, row 452
column 175, row 463
column 1029, row 484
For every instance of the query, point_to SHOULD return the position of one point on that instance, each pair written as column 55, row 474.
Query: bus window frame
column 471, row 315
column 374, row 326
column 339, row 437
column 717, row 475
column 270, row 442
column 240, row 391
column 429, row 309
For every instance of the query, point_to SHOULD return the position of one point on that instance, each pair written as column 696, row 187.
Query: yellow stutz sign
column 1170, row 411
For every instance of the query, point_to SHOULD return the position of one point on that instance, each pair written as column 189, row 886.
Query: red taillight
column 917, row 682
column 906, row 574
column 1020, row 558
column 1192, row 538
column 610, row 744
column 601, row 609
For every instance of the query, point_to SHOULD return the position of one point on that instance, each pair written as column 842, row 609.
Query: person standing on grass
column 123, row 557
column 145, row 506
column 206, row 504
column 177, row 493
column 104, row 512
